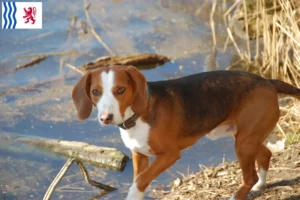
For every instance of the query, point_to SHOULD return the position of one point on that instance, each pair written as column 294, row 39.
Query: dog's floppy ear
column 139, row 99
column 81, row 97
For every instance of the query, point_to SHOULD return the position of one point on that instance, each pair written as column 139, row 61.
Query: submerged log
column 106, row 157
column 141, row 61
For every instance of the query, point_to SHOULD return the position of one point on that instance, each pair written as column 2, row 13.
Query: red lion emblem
column 30, row 14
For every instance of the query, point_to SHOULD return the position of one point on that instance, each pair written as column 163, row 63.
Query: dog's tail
column 285, row 88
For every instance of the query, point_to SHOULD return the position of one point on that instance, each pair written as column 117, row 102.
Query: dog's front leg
column 162, row 162
column 140, row 163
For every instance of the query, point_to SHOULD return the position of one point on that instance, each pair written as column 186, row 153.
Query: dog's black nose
column 106, row 118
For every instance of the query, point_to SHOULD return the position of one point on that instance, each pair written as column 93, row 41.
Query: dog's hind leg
column 255, row 119
column 263, row 160
column 249, row 149
column 246, row 152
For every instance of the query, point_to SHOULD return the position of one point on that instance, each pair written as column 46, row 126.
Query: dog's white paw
column 259, row 186
column 134, row 193
column 232, row 198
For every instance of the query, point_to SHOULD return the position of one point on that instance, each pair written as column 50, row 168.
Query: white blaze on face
column 108, row 103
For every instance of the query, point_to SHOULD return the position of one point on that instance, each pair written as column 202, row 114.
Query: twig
column 32, row 62
column 93, row 183
column 39, row 36
column 50, row 54
column 228, row 11
column 61, row 67
column 212, row 23
column 203, row 167
column 74, row 68
column 247, row 31
column 226, row 44
column 63, row 171
column 288, row 34
column 257, row 52
column 280, row 129
column 234, row 43
column 212, row 64
column 58, row 177
column 98, row 37
column 72, row 25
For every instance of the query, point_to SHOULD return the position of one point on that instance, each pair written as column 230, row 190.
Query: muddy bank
column 220, row 182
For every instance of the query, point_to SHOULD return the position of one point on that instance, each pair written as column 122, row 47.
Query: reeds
column 273, row 26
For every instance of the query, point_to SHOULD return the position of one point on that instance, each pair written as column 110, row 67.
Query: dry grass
column 221, row 182
column 273, row 26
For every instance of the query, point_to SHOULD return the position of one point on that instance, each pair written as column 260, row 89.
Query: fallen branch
column 141, row 61
column 106, row 157
column 84, row 172
column 63, row 53
column 32, row 62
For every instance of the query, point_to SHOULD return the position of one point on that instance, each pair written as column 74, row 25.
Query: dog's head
column 117, row 91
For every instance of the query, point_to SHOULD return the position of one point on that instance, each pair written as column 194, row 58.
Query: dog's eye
column 121, row 90
column 96, row 92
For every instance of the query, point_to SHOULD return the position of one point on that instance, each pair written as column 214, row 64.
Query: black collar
column 129, row 123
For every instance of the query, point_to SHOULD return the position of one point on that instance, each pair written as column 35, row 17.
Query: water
column 179, row 29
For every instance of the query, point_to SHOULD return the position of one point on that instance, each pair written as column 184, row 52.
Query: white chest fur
column 136, row 138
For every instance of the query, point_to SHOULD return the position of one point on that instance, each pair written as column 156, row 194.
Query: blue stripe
column 9, row 15
column 5, row 11
column 14, row 15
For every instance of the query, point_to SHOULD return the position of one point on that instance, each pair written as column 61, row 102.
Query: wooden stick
column 212, row 23
column 32, row 62
column 64, row 53
column 211, row 61
column 234, row 43
column 88, row 180
column 84, row 172
column 97, row 36
column 58, row 177
column 247, row 31
column 74, row 68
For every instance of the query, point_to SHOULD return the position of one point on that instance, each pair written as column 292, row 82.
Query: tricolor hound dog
column 162, row 118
